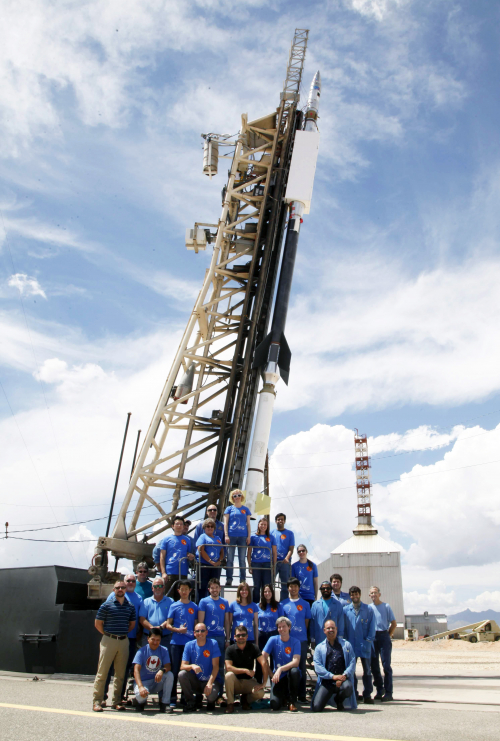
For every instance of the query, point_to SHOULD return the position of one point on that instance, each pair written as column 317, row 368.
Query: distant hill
column 467, row 616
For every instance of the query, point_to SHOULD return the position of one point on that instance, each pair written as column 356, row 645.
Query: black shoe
column 340, row 705
column 303, row 699
column 378, row 696
column 163, row 707
column 359, row 697
column 387, row 698
column 189, row 707
column 139, row 708
column 368, row 700
column 210, row 706
column 199, row 701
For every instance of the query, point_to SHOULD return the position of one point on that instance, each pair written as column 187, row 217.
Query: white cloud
column 433, row 600
column 84, row 536
column 380, row 338
column 484, row 601
column 421, row 438
column 26, row 286
column 377, row 9
column 70, row 380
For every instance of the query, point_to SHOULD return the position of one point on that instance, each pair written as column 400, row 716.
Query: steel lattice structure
column 197, row 456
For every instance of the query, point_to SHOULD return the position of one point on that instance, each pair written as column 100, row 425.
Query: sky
column 393, row 322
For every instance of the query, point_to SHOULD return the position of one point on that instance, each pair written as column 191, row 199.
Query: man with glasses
column 212, row 514
column 285, row 543
column 154, row 611
column 334, row 664
column 114, row 620
column 199, row 670
column 240, row 671
column 325, row 608
column 135, row 634
column 143, row 586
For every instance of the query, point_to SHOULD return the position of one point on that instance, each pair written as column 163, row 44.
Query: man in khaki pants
column 115, row 619
column 240, row 671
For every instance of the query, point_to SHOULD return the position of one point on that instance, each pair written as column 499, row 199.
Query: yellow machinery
column 484, row 630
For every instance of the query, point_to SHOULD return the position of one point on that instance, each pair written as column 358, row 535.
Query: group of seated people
column 213, row 645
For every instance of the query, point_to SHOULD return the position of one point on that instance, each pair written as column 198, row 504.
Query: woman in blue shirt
column 269, row 611
column 237, row 533
column 210, row 556
column 243, row 612
column 307, row 573
column 261, row 553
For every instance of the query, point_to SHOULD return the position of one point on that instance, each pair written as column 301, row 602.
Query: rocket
column 273, row 355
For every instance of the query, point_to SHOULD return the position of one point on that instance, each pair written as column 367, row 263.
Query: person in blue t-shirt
column 152, row 673
column 143, row 586
column 200, row 669
column 210, row 556
column 213, row 611
column 385, row 625
column 175, row 554
column 298, row 611
column 243, row 612
column 261, row 556
column 269, row 611
column 236, row 533
column 285, row 542
column 210, row 514
column 182, row 617
column 307, row 573
column 285, row 652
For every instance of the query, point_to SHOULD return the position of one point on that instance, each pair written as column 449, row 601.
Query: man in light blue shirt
column 285, row 543
column 154, row 611
column 385, row 625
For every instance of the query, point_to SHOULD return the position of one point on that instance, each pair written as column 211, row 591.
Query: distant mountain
column 467, row 616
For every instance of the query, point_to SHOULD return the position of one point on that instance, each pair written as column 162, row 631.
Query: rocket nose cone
column 317, row 80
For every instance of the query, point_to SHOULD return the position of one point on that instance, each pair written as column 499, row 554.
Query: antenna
column 363, row 485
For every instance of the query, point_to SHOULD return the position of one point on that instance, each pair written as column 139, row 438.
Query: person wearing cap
column 325, row 608
column 360, row 632
column 334, row 664
column 237, row 533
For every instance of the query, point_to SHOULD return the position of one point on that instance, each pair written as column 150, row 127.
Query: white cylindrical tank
column 210, row 156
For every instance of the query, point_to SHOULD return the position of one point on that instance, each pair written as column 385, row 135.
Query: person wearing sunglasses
column 210, row 556
column 143, row 586
column 325, row 608
column 114, row 620
column 307, row 573
column 212, row 514
column 199, row 670
column 236, row 533
column 134, row 635
column 154, row 612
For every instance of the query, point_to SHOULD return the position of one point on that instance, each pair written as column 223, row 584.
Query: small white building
column 427, row 625
column 367, row 560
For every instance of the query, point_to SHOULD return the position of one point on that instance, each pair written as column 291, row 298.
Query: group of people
column 205, row 647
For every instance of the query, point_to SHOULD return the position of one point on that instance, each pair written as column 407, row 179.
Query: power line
column 43, row 540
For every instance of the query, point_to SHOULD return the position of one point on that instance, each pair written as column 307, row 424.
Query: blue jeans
column 327, row 690
column 382, row 647
column 367, row 677
column 261, row 576
column 284, row 571
column 221, row 642
column 286, row 688
column 241, row 542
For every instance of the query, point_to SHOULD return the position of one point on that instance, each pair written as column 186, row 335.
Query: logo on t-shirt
column 206, row 653
column 268, row 540
column 273, row 609
column 283, row 537
column 153, row 663
column 222, row 607
column 190, row 610
column 184, row 542
column 249, row 609
column 288, row 650
column 309, row 568
column 299, row 608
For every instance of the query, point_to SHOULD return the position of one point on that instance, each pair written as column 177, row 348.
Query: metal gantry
column 192, row 449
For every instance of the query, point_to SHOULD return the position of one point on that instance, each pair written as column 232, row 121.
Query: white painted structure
column 367, row 560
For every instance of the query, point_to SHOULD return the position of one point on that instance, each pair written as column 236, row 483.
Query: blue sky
column 393, row 324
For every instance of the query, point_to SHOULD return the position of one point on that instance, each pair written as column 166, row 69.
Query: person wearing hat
column 325, row 608
column 237, row 533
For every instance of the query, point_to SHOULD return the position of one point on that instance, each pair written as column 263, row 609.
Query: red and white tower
column 363, row 485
